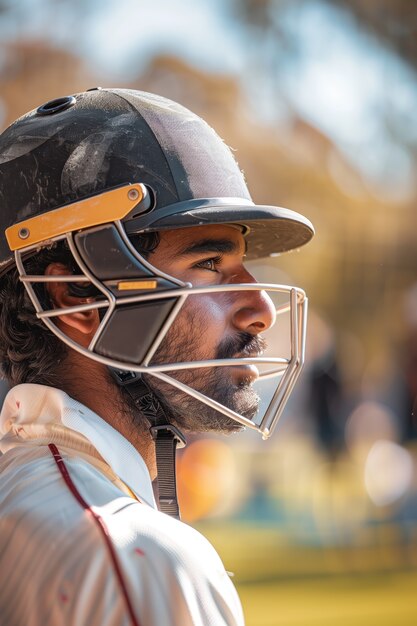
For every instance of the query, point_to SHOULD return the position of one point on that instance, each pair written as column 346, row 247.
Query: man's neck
column 91, row 384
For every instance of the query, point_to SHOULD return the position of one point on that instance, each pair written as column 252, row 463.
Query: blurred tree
column 393, row 21
column 33, row 72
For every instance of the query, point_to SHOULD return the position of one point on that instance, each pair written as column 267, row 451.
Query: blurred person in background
column 409, row 396
column 128, row 318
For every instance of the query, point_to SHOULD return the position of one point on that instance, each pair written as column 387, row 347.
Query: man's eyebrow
column 220, row 246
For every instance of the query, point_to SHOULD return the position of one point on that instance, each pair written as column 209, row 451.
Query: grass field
column 364, row 600
column 284, row 584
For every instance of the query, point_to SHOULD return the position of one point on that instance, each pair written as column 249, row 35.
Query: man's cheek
column 210, row 310
column 200, row 328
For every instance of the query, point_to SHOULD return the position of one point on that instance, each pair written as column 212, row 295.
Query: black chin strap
column 166, row 437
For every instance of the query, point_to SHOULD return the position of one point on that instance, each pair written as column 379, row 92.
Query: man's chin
column 193, row 415
column 214, row 422
column 199, row 417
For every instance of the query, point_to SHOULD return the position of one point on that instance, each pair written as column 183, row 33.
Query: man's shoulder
column 33, row 493
column 81, row 553
column 47, row 529
column 33, row 487
column 160, row 537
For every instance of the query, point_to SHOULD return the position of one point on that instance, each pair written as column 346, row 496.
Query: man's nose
column 255, row 312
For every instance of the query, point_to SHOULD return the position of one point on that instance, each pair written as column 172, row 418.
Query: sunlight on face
column 211, row 326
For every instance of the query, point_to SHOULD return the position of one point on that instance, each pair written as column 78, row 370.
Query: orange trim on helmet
column 137, row 284
column 100, row 209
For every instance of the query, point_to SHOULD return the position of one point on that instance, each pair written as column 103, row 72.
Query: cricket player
column 128, row 319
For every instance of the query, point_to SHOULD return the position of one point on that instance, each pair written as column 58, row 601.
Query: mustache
column 242, row 344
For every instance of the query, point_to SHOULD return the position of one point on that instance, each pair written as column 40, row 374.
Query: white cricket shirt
column 56, row 566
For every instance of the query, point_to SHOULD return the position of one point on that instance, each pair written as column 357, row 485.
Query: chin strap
column 166, row 436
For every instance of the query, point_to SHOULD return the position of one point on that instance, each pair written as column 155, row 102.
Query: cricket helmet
column 98, row 168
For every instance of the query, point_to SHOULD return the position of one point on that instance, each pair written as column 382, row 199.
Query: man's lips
column 250, row 371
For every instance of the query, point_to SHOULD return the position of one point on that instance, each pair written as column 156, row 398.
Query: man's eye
column 209, row 264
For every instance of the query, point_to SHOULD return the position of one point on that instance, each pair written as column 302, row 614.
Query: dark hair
column 29, row 351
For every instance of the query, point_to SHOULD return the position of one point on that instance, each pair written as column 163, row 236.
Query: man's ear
column 85, row 322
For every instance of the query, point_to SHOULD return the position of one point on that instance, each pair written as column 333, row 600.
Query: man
column 127, row 318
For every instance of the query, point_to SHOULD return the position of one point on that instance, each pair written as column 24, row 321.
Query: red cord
column 100, row 524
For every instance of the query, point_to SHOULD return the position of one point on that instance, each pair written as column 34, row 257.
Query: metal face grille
column 279, row 372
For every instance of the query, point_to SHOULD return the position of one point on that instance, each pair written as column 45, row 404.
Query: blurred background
column 318, row 99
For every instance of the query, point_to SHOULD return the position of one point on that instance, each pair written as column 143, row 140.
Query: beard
column 218, row 383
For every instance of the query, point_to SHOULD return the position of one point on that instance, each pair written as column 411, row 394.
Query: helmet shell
column 75, row 147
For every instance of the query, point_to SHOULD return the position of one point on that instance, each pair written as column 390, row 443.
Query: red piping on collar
column 100, row 524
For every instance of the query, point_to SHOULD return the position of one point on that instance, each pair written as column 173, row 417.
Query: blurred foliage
column 33, row 72
column 393, row 21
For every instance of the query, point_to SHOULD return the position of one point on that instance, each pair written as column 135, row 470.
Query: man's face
column 211, row 326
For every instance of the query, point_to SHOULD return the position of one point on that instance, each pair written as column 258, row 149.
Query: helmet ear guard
column 130, row 329
column 113, row 272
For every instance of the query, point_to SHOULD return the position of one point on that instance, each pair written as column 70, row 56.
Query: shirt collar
column 28, row 405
